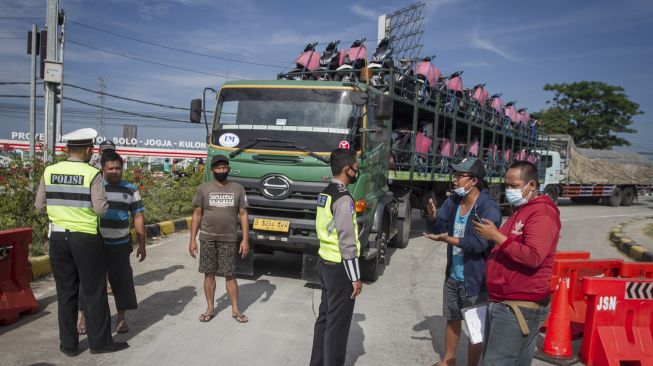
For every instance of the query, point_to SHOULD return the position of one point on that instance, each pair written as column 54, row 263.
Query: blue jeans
column 504, row 342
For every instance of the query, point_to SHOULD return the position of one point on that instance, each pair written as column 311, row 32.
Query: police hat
column 107, row 145
column 81, row 137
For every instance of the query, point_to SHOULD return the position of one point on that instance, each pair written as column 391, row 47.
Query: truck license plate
column 271, row 225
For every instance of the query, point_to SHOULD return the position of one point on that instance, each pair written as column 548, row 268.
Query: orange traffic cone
column 556, row 348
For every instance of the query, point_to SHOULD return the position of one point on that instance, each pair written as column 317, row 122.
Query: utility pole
column 59, row 106
column 32, row 92
column 51, row 21
column 100, row 111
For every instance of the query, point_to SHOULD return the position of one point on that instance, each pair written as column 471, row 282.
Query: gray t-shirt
column 220, row 206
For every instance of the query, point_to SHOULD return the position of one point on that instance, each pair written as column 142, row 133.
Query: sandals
column 122, row 327
column 81, row 329
column 205, row 318
column 240, row 318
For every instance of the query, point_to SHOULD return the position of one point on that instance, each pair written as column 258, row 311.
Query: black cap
column 473, row 166
column 219, row 159
column 107, row 145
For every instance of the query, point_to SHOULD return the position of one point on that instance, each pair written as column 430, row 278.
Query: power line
column 148, row 61
column 99, row 92
column 126, row 98
column 125, row 112
column 174, row 48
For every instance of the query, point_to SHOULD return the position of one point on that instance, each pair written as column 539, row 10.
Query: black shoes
column 111, row 347
column 68, row 352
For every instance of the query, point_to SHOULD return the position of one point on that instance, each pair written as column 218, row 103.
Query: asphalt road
column 397, row 320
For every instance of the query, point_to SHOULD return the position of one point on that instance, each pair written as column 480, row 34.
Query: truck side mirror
column 196, row 110
column 379, row 135
column 358, row 98
column 383, row 109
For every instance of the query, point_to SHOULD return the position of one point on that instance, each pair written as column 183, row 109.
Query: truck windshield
column 315, row 118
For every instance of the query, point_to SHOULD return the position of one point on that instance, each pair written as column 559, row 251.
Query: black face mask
column 221, row 177
column 352, row 178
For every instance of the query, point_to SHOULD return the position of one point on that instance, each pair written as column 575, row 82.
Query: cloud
column 487, row 45
column 364, row 12
column 149, row 12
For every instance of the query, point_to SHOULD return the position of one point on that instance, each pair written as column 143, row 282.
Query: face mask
column 221, row 177
column 352, row 178
column 514, row 196
column 460, row 191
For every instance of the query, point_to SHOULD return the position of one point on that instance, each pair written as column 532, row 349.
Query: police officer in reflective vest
column 339, row 270
column 72, row 194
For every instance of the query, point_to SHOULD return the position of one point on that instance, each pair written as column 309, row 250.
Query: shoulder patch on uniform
column 321, row 200
column 352, row 207
column 342, row 188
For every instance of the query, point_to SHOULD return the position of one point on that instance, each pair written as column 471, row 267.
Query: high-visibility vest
column 325, row 225
column 68, row 196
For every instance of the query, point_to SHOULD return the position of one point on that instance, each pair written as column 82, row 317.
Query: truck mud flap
column 309, row 268
column 245, row 266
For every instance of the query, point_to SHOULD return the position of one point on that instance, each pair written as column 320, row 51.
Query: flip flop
column 240, row 318
column 122, row 327
column 205, row 318
column 81, row 330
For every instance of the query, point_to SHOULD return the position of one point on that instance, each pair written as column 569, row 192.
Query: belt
column 57, row 229
column 328, row 263
column 515, row 306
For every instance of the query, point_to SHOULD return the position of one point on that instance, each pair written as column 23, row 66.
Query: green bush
column 165, row 197
column 17, row 201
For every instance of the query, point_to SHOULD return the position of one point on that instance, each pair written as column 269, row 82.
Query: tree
column 591, row 112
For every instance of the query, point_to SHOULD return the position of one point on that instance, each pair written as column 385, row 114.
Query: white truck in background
column 594, row 176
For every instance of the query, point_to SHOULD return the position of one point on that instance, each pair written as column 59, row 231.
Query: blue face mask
column 514, row 196
column 460, row 191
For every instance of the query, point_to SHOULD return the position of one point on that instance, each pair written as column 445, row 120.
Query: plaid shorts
column 218, row 257
column 454, row 299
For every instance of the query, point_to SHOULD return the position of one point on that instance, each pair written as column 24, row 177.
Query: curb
column 629, row 246
column 41, row 265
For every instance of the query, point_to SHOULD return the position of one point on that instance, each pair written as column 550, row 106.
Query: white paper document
column 475, row 322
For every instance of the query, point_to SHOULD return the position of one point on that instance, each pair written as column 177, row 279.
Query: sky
column 168, row 51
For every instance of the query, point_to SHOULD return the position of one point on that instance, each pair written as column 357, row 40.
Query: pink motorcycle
column 495, row 105
column 477, row 97
column 355, row 61
column 427, row 75
column 306, row 62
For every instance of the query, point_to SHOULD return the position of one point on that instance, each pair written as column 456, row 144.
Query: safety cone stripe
column 639, row 290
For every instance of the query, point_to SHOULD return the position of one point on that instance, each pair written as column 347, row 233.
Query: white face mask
column 514, row 195
column 460, row 191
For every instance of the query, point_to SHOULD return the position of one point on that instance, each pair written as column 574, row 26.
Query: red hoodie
column 521, row 267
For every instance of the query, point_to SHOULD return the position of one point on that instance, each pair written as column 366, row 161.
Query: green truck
column 278, row 135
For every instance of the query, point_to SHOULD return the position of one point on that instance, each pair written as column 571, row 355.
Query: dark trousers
column 79, row 258
column 121, row 277
column 332, row 324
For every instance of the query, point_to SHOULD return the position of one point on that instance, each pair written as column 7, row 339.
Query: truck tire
column 370, row 268
column 615, row 199
column 627, row 196
column 585, row 200
column 552, row 192
column 403, row 228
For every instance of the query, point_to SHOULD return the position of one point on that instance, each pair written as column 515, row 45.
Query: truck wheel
column 552, row 192
column 627, row 196
column 615, row 199
column 403, row 229
column 370, row 268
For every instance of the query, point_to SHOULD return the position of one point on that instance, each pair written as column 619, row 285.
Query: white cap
column 81, row 137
